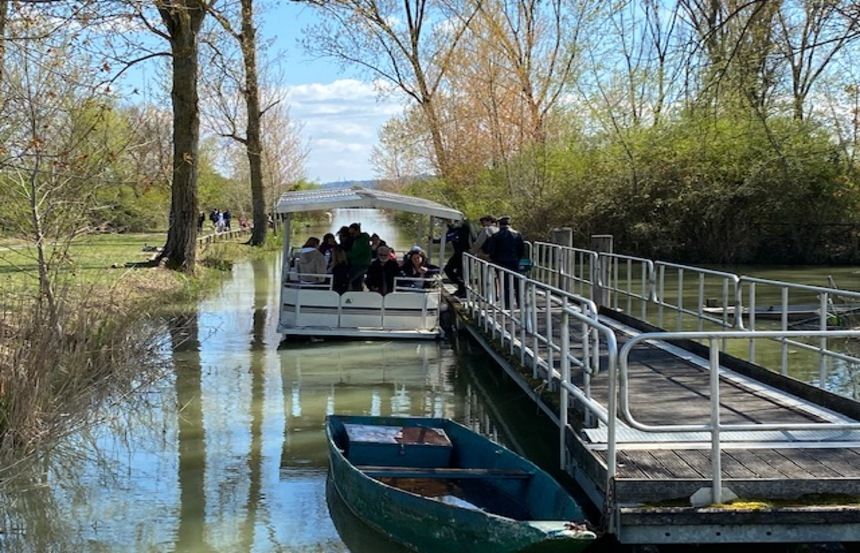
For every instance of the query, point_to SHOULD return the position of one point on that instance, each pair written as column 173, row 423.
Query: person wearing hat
column 505, row 248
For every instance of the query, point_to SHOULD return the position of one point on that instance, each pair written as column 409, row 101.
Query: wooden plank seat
column 444, row 472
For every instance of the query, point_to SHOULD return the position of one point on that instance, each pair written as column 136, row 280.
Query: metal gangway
column 678, row 389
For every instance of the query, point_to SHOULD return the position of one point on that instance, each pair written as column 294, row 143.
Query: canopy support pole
column 285, row 262
column 442, row 238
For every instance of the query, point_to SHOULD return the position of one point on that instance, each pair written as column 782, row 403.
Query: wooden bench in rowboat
column 446, row 473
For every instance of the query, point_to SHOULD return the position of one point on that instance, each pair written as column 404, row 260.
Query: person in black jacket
column 505, row 249
column 460, row 237
column 381, row 273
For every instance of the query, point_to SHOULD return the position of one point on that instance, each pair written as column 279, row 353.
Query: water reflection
column 191, row 434
column 228, row 454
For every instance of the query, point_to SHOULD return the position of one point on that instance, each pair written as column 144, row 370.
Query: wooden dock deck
column 789, row 450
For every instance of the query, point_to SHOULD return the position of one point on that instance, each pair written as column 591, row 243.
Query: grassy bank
column 102, row 340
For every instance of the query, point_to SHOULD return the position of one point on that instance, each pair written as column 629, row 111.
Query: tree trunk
column 183, row 19
column 4, row 11
column 254, row 141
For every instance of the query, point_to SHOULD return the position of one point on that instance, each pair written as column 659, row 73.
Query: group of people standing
column 496, row 241
column 221, row 220
column 353, row 259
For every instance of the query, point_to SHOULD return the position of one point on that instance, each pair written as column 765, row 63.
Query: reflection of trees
column 258, row 379
column 192, row 444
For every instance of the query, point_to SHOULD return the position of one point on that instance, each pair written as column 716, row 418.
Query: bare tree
column 245, row 37
column 56, row 161
column 811, row 35
column 409, row 45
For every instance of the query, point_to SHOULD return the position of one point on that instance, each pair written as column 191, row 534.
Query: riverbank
column 100, row 338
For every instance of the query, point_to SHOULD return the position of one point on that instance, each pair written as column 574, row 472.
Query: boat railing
column 714, row 429
column 427, row 285
column 311, row 281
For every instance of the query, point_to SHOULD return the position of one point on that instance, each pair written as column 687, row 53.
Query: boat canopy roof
column 359, row 197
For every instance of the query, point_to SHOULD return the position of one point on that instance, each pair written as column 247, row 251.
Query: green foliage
column 726, row 190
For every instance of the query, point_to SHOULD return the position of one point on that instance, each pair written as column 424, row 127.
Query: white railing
column 824, row 304
column 518, row 312
column 626, row 280
column 704, row 280
column 570, row 269
column 557, row 334
column 715, row 427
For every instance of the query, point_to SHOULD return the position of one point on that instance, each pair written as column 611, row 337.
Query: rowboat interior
column 426, row 461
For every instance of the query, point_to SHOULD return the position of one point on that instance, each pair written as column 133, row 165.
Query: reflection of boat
column 796, row 312
column 434, row 485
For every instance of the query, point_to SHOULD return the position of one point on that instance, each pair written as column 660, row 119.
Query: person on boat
column 488, row 228
column 359, row 255
column 381, row 273
column 311, row 265
column 327, row 247
column 375, row 241
column 339, row 270
column 344, row 238
column 459, row 236
column 416, row 267
column 505, row 249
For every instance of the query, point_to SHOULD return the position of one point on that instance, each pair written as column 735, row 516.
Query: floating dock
column 674, row 440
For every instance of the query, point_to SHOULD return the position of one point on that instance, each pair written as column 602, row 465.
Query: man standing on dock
column 505, row 249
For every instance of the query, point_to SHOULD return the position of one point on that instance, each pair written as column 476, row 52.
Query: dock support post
column 716, row 464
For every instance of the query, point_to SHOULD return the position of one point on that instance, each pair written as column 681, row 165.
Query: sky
column 339, row 109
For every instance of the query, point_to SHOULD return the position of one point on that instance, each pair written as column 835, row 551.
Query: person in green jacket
column 360, row 256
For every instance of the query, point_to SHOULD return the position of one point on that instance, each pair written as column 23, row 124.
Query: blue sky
column 339, row 109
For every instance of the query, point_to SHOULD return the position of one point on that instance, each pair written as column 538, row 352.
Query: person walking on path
column 505, row 249
column 359, row 255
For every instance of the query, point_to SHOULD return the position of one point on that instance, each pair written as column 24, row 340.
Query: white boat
column 314, row 309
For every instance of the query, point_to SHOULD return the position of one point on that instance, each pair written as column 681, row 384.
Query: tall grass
column 58, row 367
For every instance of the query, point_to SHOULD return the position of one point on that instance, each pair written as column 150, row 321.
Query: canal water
column 228, row 452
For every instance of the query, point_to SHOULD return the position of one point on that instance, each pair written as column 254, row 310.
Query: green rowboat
column 433, row 485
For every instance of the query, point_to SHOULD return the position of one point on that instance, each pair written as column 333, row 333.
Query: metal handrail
column 727, row 278
column 715, row 426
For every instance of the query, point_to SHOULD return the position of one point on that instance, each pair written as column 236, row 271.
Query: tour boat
column 313, row 309
column 434, row 485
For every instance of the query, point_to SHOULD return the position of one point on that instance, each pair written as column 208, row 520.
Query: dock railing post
column 565, row 379
column 716, row 464
column 601, row 243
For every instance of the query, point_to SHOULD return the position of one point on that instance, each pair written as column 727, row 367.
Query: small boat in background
column 433, row 485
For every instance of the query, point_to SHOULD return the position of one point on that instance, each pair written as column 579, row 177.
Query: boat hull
column 431, row 526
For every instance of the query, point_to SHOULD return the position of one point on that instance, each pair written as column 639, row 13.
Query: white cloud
column 341, row 121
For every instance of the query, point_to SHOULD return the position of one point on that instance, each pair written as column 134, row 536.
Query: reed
column 59, row 365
